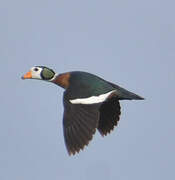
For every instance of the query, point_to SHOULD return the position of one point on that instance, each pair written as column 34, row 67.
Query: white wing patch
column 92, row 99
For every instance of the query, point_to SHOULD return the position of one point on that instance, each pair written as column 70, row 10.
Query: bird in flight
column 90, row 103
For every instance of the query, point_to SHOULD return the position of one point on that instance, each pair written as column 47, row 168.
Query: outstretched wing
column 109, row 115
column 79, row 122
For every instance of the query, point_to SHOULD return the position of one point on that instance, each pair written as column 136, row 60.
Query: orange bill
column 28, row 75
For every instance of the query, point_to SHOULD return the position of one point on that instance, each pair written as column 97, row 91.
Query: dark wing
column 79, row 122
column 109, row 115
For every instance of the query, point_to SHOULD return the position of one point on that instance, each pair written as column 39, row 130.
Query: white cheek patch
column 36, row 74
column 92, row 99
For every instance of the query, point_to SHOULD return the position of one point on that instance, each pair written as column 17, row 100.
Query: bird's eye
column 35, row 69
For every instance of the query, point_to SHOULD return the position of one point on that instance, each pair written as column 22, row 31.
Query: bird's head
column 40, row 73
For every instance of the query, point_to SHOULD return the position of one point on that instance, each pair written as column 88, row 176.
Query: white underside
column 92, row 99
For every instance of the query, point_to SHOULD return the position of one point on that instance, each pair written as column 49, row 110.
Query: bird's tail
column 125, row 94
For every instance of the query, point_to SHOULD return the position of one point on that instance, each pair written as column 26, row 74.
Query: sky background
column 130, row 43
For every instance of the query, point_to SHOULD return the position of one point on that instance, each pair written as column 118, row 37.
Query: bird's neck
column 62, row 80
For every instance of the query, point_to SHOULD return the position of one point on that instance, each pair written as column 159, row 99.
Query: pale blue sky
column 130, row 43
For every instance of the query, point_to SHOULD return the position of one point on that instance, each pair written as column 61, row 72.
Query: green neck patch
column 47, row 74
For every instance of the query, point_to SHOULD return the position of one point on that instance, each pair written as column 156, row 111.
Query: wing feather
column 109, row 115
column 79, row 122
